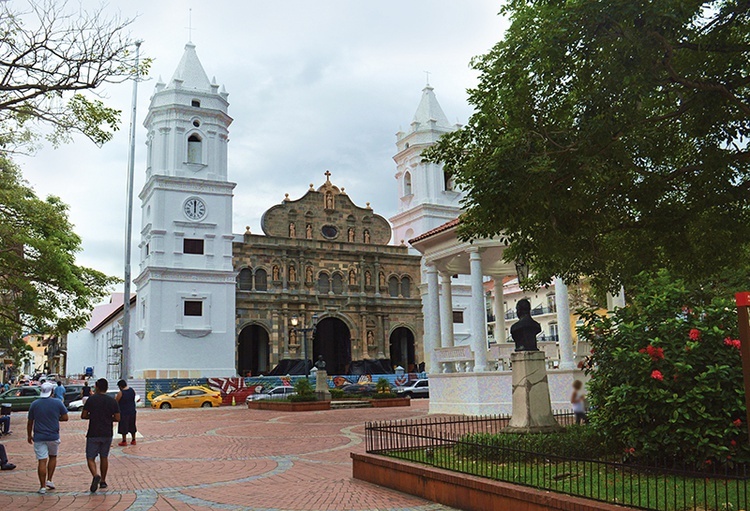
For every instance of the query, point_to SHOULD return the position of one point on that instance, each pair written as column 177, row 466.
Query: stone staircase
column 338, row 405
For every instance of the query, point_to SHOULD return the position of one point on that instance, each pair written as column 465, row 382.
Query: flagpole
column 125, row 364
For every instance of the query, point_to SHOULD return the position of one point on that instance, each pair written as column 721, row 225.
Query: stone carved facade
column 359, row 317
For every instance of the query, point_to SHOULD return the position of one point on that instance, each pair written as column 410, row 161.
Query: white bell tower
column 427, row 198
column 186, row 287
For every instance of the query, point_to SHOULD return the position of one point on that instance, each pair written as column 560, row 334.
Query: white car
column 419, row 388
column 274, row 393
column 78, row 403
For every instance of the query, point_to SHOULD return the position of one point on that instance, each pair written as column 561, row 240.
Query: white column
column 499, row 311
column 431, row 319
column 565, row 335
column 446, row 311
column 616, row 301
column 478, row 312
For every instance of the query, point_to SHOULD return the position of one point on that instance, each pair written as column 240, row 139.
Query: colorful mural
column 240, row 388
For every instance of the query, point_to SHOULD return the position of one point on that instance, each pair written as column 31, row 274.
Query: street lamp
column 311, row 328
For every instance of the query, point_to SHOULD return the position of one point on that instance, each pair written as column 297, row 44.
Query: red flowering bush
column 667, row 375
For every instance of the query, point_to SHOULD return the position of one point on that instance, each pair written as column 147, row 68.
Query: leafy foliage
column 609, row 137
column 50, row 56
column 41, row 288
column 303, row 387
column 668, row 380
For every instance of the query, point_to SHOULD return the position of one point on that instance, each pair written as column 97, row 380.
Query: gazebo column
column 446, row 311
column 499, row 311
column 565, row 335
column 431, row 319
column 478, row 312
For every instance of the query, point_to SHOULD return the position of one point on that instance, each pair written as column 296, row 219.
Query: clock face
column 194, row 208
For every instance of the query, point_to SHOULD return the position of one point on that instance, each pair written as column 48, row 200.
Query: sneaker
column 122, row 444
column 103, row 485
column 50, row 485
column 42, row 490
column 133, row 442
column 95, row 483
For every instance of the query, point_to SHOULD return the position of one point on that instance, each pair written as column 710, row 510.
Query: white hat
column 47, row 388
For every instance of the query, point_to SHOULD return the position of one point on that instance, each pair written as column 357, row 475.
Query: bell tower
column 186, row 306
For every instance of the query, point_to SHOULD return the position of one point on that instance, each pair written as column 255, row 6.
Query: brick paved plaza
column 220, row 458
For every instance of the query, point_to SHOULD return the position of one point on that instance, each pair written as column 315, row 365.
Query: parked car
column 20, row 398
column 418, row 388
column 188, row 397
column 360, row 389
column 275, row 393
column 72, row 393
column 78, row 403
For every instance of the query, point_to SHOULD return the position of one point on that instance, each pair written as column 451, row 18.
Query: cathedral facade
column 325, row 264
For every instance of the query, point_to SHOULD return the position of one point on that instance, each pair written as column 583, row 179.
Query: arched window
column 245, row 279
column 406, row 287
column 323, row 283
column 338, row 283
column 407, row 184
column 261, row 280
column 393, row 286
column 195, row 149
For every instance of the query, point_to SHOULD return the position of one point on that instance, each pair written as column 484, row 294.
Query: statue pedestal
column 321, row 385
column 532, row 410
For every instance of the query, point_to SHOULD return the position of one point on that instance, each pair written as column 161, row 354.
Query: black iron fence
column 472, row 445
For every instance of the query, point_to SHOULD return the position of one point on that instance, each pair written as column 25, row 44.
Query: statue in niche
column 367, row 236
column 350, row 234
column 275, row 272
column 524, row 332
column 308, row 231
column 309, row 274
column 292, row 230
column 370, row 338
column 292, row 336
column 292, row 274
column 381, row 277
column 368, row 278
column 352, row 277
column 329, row 200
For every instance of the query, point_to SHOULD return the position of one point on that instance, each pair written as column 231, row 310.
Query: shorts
column 98, row 445
column 126, row 425
column 45, row 449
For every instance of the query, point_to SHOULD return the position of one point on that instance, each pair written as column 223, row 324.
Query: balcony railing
column 536, row 311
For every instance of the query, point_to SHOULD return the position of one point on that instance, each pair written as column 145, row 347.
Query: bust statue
column 320, row 364
column 525, row 330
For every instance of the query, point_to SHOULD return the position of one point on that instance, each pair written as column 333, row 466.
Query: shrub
column 667, row 376
column 302, row 398
column 304, row 388
column 383, row 386
column 384, row 395
column 336, row 393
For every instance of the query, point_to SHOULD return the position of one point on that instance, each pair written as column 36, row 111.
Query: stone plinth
column 532, row 409
column 321, row 385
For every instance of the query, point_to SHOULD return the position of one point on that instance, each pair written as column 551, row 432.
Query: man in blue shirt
column 60, row 391
column 43, row 431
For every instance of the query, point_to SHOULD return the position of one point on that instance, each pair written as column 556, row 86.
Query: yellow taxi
column 188, row 397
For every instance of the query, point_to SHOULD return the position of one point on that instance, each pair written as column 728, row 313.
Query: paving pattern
column 227, row 458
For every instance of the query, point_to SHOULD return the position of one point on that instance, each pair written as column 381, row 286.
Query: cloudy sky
column 313, row 86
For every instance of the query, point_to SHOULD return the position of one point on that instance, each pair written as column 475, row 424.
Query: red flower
column 708, row 462
column 737, row 422
column 729, row 456
column 694, row 334
column 643, row 350
column 655, row 353
column 656, row 375
column 733, row 443
column 734, row 343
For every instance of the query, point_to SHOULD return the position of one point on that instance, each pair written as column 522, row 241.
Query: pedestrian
column 43, row 432
column 60, row 391
column 85, row 391
column 4, row 424
column 4, row 463
column 101, row 411
column 578, row 399
column 126, row 399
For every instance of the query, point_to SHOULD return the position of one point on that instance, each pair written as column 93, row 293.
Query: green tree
column 610, row 137
column 667, row 377
column 41, row 288
column 50, row 55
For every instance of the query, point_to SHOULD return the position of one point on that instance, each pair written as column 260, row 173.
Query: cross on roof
column 190, row 25
column 328, row 175
column 427, row 73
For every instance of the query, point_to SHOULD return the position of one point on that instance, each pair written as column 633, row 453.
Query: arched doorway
column 333, row 340
column 402, row 348
column 253, row 353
